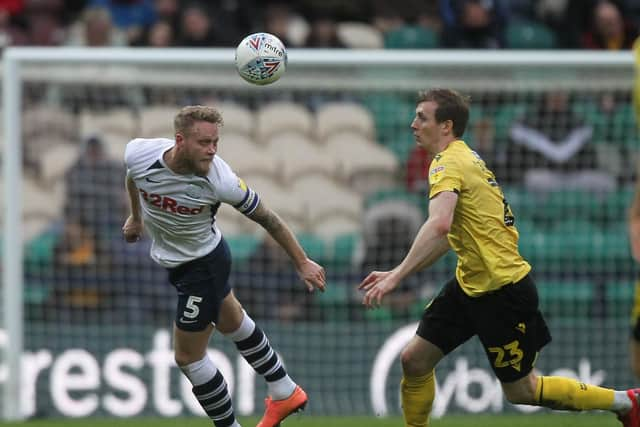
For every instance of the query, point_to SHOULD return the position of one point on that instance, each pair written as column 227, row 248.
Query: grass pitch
column 543, row 420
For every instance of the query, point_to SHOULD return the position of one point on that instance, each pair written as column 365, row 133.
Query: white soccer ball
column 261, row 58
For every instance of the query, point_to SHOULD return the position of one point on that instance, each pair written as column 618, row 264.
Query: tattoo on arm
column 266, row 218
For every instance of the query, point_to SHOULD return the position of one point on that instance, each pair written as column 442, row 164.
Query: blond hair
column 187, row 116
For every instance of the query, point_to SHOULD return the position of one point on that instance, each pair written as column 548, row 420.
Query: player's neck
column 175, row 163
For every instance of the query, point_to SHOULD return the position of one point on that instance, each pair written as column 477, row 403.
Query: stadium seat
column 343, row 250
column 324, row 196
column 279, row 198
column 505, row 116
column 566, row 299
column 393, row 116
column 49, row 121
column 359, row 35
column 411, row 37
column 360, row 156
column 237, row 118
column 620, row 299
column 56, row 160
column 332, row 226
column 299, row 156
column 242, row 246
column 529, row 35
column 157, row 121
column 40, row 200
column 282, row 117
column 245, row 157
column 117, row 123
column 342, row 116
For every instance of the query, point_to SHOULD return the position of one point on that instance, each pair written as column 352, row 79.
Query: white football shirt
column 178, row 210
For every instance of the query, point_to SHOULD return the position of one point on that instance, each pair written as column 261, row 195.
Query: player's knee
column 412, row 363
column 521, row 392
column 184, row 358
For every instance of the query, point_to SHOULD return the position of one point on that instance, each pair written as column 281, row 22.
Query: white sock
column 279, row 389
column 621, row 402
column 200, row 372
column 282, row 388
column 245, row 329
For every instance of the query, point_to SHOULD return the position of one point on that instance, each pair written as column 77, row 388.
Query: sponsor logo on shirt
column 170, row 204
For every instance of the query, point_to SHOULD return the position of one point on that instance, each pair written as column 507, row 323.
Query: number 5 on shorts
column 192, row 310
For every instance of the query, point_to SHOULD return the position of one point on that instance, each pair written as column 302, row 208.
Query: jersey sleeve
column 132, row 157
column 445, row 174
column 233, row 190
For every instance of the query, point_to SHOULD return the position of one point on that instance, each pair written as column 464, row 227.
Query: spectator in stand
column 551, row 149
column 160, row 34
column 323, row 34
column 130, row 16
column 12, row 26
column 473, row 24
column 199, row 29
column 277, row 17
column 609, row 30
column 96, row 29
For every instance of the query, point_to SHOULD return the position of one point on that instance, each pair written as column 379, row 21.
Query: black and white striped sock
column 211, row 390
column 255, row 348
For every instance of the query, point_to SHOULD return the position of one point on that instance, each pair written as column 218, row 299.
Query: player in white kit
column 175, row 188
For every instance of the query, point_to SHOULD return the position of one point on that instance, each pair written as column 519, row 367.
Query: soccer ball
column 261, row 58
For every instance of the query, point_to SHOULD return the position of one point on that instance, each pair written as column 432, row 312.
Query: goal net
column 87, row 318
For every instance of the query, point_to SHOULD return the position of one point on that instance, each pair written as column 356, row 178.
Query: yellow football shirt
column 483, row 234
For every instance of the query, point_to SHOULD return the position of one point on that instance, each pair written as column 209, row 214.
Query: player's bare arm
column 132, row 228
column 311, row 273
column 634, row 224
column 429, row 245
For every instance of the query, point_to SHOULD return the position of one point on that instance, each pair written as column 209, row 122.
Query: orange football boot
column 278, row 410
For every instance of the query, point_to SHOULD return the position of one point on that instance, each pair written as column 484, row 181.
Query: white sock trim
column 247, row 326
column 621, row 402
column 282, row 388
column 200, row 372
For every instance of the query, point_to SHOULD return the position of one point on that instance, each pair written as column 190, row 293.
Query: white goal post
column 313, row 69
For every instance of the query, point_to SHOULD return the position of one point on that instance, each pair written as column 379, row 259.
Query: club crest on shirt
column 194, row 191
column 435, row 174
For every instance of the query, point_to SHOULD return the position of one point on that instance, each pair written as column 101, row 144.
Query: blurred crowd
column 481, row 24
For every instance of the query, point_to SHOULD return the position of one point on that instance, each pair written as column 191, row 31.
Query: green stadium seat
column 411, row 37
column 393, row 116
column 566, row 299
column 243, row 246
column 343, row 249
column 529, row 35
column 505, row 116
column 314, row 246
column 620, row 298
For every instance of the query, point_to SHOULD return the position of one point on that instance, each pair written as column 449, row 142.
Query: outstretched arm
column 429, row 245
column 311, row 273
column 132, row 228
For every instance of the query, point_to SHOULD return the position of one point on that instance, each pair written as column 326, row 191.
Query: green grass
column 542, row 420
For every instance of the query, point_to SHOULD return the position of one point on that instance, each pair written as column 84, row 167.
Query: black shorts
column 202, row 284
column 507, row 321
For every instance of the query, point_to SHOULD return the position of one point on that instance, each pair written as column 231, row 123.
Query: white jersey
column 179, row 210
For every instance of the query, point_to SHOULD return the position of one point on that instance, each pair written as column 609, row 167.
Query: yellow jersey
column 483, row 234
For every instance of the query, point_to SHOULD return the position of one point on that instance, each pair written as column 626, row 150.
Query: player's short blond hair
column 187, row 116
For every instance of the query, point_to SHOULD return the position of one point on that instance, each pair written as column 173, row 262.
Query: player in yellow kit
column 634, row 230
column 492, row 295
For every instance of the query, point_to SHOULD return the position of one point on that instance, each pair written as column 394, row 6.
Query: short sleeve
column 233, row 190
column 444, row 175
